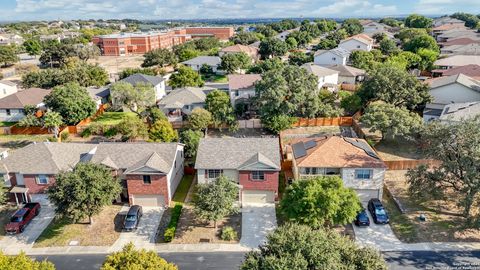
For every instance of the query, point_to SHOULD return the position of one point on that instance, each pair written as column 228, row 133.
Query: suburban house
column 10, row 39
column 448, row 90
column 12, row 106
column 241, row 87
column 327, row 78
column 460, row 41
column 446, row 20
column 157, row 82
column 197, row 62
column 337, row 56
column 180, row 102
column 469, row 49
column 253, row 163
column 457, row 112
column 7, row 88
column 149, row 172
column 100, row 95
column 360, row 42
column 239, row 48
column 457, row 33
column 370, row 28
column 438, row 30
column 472, row 71
column 348, row 74
column 457, row 61
column 351, row 159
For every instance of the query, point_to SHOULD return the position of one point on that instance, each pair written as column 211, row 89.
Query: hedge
column 172, row 225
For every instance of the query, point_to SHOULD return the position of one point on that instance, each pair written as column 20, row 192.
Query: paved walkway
column 257, row 221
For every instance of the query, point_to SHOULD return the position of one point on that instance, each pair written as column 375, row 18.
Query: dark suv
column 132, row 218
column 377, row 211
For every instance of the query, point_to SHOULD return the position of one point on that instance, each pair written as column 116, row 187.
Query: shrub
column 52, row 139
column 172, row 225
column 64, row 136
column 111, row 131
column 228, row 234
column 86, row 133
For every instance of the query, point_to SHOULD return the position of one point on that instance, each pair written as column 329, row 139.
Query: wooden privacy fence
column 16, row 130
column 410, row 164
column 323, row 121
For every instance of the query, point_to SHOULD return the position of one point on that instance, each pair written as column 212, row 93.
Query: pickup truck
column 20, row 219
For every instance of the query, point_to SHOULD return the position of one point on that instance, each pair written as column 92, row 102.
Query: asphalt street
column 412, row 260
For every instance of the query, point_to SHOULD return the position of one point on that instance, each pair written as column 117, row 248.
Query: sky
column 211, row 9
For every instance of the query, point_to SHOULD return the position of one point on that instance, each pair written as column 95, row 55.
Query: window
column 9, row 112
column 236, row 93
column 334, row 58
column 363, row 174
column 42, row 179
column 358, row 46
column 214, row 174
column 147, row 180
column 258, row 175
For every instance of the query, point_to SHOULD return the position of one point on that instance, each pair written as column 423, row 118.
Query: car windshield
column 380, row 212
column 131, row 218
column 16, row 219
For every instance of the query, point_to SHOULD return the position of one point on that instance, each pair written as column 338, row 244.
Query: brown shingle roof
column 460, row 41
column 241, row 48
column 469, row 70
column 447, row 27
column 337, row 152
column 31, row 96
column 242, row 81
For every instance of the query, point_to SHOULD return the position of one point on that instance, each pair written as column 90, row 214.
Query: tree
column 418, row 21
column 351, row 103
column 159, row 57
column 388, row 46
column 52, row 121
column 206, row 44
column 33, row 47
column 245, row 38
column 153, row 113
column 404, row 60
column 131, row 258
column 421, row 42
column 352, row 26
column 185, row 76
column 233, row 62
column 267, row 65
column 302, row 38
column 378, row 37
column 191, row 139
column 218, row 104
column 295, row 246
column 271, row 47
column 299, row 58
column 320, row 201
column 137, row 98
column 266, row 31
column 362, row 59
column 391, row 22
column 200, row 119
column 292, row 43
column 8, row 55
column 326, row 44
column 391, row 121
column 86, row 52
column 130, row 71
column 56, row 53
column 131, row 128
column 162, row 131
column 215, row 200
column 22, row 261
column 427, row 58
column 72, row 102
column 470, row 20
column 407, row 34
column 277, row 123
column 457, row 148
column 395, row 86
column 84, row 191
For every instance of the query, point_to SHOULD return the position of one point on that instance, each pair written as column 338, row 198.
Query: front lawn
column 112, row 118
column 182, row 189
column 19, row 141
column 215, row 78
column 6, row 211
column 105, row 230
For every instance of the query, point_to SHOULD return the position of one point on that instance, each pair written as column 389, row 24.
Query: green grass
column 401, row 225
column 112, row 118
column 55, row 234
column 182, row 189
column 215, row 78
column 7, row 124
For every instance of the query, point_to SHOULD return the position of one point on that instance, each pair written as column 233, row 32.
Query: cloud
column 446, row 6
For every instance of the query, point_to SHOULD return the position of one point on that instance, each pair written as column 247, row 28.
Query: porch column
column 16, row 198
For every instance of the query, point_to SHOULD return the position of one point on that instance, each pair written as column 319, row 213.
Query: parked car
column 377, row 211
column 21, row 218
column 132, row 218
column 362, row 219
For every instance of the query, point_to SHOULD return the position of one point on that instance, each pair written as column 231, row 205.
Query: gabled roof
column 235, row 153
column 460, row 111
column 318, row 70
column 242, row 81
column 142, row 78
column 459, row 78
column 337, row 51
column 200, row 60
column 185, row 96
column 449, row 26
column 469, row 49
column 363, row 38
column 334, row 152
column 461, row 41
column 9, row 83
column 347, row 71
column 18, row 100
column 472, row 71
column 458, row 60
column 241, row 48
column 153, row 162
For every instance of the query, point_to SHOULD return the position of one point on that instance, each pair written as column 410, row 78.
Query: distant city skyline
column 217, row 9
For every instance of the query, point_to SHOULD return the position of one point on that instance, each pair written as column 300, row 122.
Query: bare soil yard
column 115, row 64
column 398, row 149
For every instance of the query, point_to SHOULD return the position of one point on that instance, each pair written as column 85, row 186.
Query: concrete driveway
column 27, row 238
column 257, row 221
column 378, row 236
column 144, row 236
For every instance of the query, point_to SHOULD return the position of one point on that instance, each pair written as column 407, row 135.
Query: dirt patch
column 116, row 64
column 191, row 230
column 399, row 149
column 444, row 222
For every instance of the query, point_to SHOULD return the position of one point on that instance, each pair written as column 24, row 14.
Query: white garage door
column 148, row 200
column 258, row 196
column 366, row 194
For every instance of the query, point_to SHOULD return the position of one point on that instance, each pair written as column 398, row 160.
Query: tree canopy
column 8, row 55
column 159, row 57
column 131, row 258
column 272, row 47
column 297, row 247
column 137, row 98
column 22, row 261
column 421, row 42
column 218, row 104
column 131, row 128
column 352, row 26
column 233, row 62
column 418, row 21
column 185, row 76
column 162, row 131
column 33, row 46
column 84, row 191
column 200, row 119
column 245, row 38
column 191, row 139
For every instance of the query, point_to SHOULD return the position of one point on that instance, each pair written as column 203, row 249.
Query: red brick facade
column 222, row 33
column 270, row 182
column 32, row 185
column 158, row 186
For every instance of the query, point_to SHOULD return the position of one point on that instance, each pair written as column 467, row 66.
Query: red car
column 22, row 217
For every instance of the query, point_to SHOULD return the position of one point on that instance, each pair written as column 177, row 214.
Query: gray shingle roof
column 18, row 100
column 186, row 96
column 235, row 153
column 200, row 60
column 459, row 78
column 51, row 158
column 318, row 70
column 142, row 78
column 459, row 111
column 347, row 71
column 337, row 51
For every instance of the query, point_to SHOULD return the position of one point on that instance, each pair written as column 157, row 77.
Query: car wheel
column 22, row 229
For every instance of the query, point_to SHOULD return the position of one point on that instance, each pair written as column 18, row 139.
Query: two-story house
column 7, row 88
column 337, row 56
column 157, row 82
column 182, row 101
column 241, row 87
column 252, row 163
column 12, row 106
column 327, row 78
column 360, row 42
column 149, row 172
column 351, row 159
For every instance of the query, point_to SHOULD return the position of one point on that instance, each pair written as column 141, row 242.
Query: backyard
column 215, row 78
column 112, row 118
column 444, row 222
column 104, row 231
column 18, row 141
column 398, row 149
